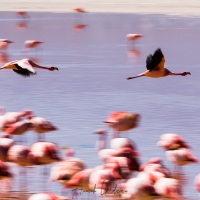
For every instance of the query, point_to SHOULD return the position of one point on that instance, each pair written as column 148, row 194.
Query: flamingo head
column 53, row 68
column 185, row 73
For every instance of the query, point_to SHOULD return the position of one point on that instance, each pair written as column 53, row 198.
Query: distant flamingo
column 79, row 10
column 4, row 44
column 155, row 67
column 79, row 27
column 23, row 14
column 30, row 44
column 48, row 196
column 132, row 37
column 4, row 57
column 122, row 121
column 25, row 67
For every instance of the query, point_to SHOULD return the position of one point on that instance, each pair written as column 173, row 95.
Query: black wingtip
column 153, row 60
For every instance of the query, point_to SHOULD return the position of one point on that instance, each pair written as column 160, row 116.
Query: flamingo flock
column 121, row 175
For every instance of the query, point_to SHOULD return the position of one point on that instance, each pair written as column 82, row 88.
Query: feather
column 153, row 61
column 22, row 71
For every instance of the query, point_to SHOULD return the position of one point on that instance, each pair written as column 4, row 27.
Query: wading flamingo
column 122, row 121
column 25, row 67
column 40, row 125
column 4, row 44
column 168, row 187
column 155, row 67
column 30, row 44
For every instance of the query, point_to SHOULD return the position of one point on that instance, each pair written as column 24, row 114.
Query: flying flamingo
column 155, row 67
column 25, row 67
column 4, row 44
column 122, row 121
column 48, row 196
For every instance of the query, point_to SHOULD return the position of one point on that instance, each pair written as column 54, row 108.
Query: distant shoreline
column 112, row 6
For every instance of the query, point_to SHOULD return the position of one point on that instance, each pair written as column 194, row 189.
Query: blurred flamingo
column 25, row 67
column 132, row 37
column 4, row 57
column 32, row 44
column 122, row 121
column 48, row 196
column 168, row 187
column 155, row 67
column 79, row 27
column 41, row 125
column 172, row 141
column 23, row 14
column 4, row 43
column 181, row 157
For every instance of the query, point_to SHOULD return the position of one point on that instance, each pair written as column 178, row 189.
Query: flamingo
column 44, row 153
column 181, row 157
column 79, row 10
column 155, row 67
column 41, row 125
column 132, row 37
column 22, row 14
column 48, row 196
column 172, row 141
column 64, row 170
column 122, row 121
column 30, row 44
column 138, row 188
column 9, row 118
column 168, row 187
column 4, row 44
column 25, row 67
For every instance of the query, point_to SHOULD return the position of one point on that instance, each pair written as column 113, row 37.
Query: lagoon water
column 91, row 82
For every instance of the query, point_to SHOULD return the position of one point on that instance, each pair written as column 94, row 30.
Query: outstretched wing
column 24, row 68
column 154, row 60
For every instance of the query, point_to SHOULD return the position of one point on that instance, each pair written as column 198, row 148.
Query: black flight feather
column 153, row 60
column 22, row 71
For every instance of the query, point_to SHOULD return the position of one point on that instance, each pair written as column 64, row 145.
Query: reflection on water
column 91, row 82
